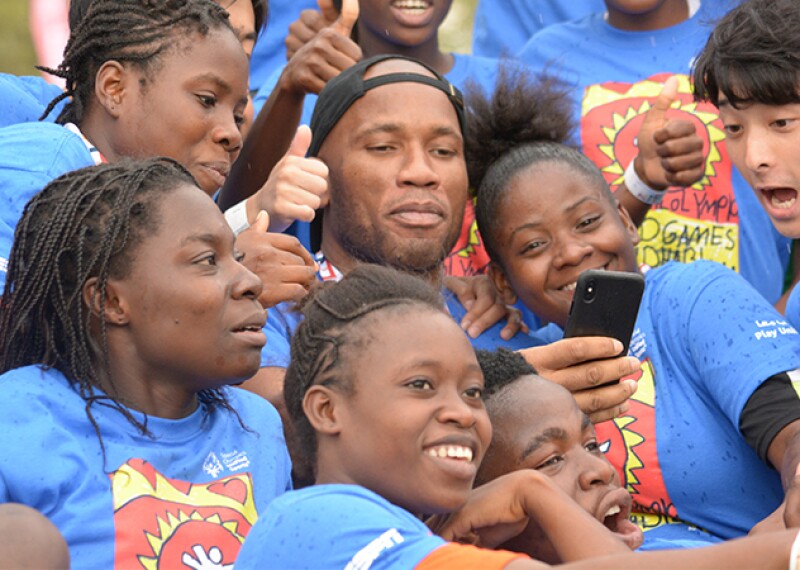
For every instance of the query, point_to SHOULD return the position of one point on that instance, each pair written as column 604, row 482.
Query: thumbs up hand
column 296, row 187
column 319, row 47
column 670, row 150
column 284, row 266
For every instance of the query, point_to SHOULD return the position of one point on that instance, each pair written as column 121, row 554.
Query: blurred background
column 17, row 53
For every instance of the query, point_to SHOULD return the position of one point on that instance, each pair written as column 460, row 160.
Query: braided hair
column 130, row 31
column 85, row 224
column 334, row 317
column 525, row 121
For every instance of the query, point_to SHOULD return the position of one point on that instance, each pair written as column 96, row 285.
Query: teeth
column 782, row 205
column 411, row 5
column 450, row 452
column 570, row 287
column 612, row 511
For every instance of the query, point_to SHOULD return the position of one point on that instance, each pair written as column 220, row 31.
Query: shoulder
column 560, row 37
column 331, row 526
column 255, row 411
column 41, row 147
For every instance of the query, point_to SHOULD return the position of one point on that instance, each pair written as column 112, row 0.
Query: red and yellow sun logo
column 167, row 523
column 697, row 222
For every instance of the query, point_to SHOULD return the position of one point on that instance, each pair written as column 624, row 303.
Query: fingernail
column 505, row 335
column 468, row 304
column 473, row 332
column 465, row 324
column 624, row 408
column 632, row 385
column 617, row 346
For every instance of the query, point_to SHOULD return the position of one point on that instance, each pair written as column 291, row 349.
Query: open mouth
column 780, row 198
column 614, row 513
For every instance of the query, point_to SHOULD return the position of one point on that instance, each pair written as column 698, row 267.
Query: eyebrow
column 585, row 422
column 547, row 435
column 534, row 225
column 210, row 239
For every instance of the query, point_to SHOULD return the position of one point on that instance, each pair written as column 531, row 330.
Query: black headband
column 349, row 86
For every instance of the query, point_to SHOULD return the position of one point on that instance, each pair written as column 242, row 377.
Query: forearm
column 269, row 138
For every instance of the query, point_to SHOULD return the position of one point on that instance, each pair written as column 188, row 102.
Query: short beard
column 373, row 247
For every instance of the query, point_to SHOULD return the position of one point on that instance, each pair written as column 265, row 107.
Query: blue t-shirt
column 481, row 70
column 198, row 485
column 24, row 99
column 283, row 320
column 336, row 526
column 707, row 341
column 31, row 156
column 615, row 76
column 503, row 26
column 793, row 308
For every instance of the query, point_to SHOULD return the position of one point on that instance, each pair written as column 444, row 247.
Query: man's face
column 398, row 180
column 763, row 142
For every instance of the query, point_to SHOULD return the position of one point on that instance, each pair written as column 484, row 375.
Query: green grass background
column 17, row 55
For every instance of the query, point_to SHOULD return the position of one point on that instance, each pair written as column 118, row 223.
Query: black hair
column 131, row 31
column 752, row 56
column 501, row 368
column 527, row 120
column 333, row 313
column 85, row 224
column 260, row 11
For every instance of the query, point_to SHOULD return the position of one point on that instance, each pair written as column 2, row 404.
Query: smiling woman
column 125, row 316
column 173, row 83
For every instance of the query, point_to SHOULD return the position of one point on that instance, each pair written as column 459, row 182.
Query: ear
column 114, row 311
column 630, row 227
column 498, row 276
column 112, row 83
column 321, row 406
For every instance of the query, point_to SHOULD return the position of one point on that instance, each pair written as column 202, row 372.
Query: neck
column 342, row 260
column 96, row 129
column 428, row 52
column 669, row 13
column 144, row 388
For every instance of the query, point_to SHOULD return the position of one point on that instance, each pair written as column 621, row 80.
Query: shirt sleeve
column 467, row 557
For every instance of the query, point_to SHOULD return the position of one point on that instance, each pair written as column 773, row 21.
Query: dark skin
column 186, row 317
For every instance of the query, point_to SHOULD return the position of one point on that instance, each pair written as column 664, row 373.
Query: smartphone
column 605, row 303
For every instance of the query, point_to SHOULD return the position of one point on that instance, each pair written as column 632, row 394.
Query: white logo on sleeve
column 366, row 556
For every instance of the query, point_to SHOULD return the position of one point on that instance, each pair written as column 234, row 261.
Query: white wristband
column 639, row 189
column 795, row 553
column 236, row 216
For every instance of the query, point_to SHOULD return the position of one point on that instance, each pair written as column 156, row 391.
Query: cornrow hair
column 85, row 224
column 333, row 314
column 526, row 120
column 752, row 56
column 501, row 368
column 129, row 31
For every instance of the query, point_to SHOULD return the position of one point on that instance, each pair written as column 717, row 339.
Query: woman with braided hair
column 126, row 315
column 145, row 78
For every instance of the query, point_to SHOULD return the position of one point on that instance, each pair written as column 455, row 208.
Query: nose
column 246, row 284
column 228, row 134
column 595, row 470
column 758, row 151
column 571, row 251
column 417, row 168
column 455, row 410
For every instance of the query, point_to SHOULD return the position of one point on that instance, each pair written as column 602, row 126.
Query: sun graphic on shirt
column 169, row 527
column 618, row 110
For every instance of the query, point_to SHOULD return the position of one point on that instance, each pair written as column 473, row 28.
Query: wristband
column 795, row 553
column 236, row 216
column 639, row 189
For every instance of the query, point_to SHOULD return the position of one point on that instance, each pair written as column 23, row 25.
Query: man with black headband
column 390, row 130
